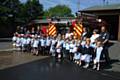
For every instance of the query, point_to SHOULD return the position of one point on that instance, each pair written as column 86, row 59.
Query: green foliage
column 31, row 10
column 59, row 10
column 22, row 11
column 13, row 13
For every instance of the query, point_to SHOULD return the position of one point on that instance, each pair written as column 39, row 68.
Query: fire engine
column 56, row 25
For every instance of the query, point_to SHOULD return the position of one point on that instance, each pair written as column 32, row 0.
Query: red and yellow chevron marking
column 52, row 30
column 78, row 29
column 50, row 27
column 81, row 26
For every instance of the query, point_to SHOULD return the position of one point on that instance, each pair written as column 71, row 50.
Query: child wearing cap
column 14, row 39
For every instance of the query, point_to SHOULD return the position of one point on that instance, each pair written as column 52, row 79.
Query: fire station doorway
column 112, row 25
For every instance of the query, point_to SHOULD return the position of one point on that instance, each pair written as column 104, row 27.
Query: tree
column 8, row 13
column 20, row 11
column 13, row 12
column 31, row 10
column 59, row 10
column 9, row 8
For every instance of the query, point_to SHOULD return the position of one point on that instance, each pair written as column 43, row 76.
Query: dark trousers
column 56, row 55
column 71, row 56
column 39, row 49
column 43, row 50
column 106, row 54
column 63, row 52
column 67, row 54
column 47, row 49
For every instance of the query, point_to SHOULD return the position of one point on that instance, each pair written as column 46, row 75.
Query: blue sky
column 73, row 3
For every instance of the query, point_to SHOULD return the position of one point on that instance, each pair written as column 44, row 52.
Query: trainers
column 86, row 66
column 80, row 64
column 98, row 68
column 77, row 62
column 94, row 67
column 59, row 55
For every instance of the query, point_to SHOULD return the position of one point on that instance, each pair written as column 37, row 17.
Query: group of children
column 81, row 51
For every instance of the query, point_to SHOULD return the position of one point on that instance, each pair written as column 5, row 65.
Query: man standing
column 104, row 35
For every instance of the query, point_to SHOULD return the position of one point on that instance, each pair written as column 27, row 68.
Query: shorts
column 86, row 58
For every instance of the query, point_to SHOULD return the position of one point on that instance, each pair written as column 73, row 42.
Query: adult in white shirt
column 94, row 36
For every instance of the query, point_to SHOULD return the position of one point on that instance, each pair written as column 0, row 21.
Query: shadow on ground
column 50, row 69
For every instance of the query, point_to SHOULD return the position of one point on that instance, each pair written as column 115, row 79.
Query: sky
column 73, row 4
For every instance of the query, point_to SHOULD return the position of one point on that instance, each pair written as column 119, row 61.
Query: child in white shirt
column 72, row 46
column 14, row 39
column 59, row 48
column 67, row 48
column 98, row 52
column 28, row 43
column 77, row 55
column 87, row 52
column 43, row 41
column 48, row 43
column 35, row 46
column 52, row 46
column 18, row 42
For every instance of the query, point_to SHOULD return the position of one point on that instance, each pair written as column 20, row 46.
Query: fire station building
column 109, row 13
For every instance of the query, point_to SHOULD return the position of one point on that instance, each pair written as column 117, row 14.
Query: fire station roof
column 103, row 7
